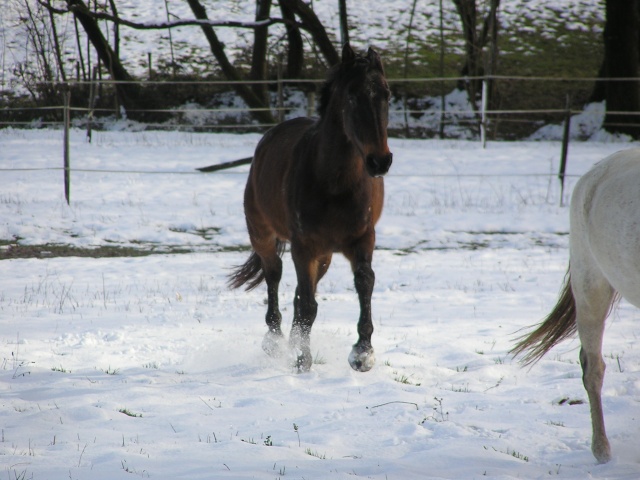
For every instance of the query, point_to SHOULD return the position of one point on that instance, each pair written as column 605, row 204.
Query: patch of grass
column 570, row 401
column 555, row 424
column 439, row 415
column 314, row 453
column 404, row 379
column 518, row 455
column 319, row 360
column 462, row 389
column 60, row 369
column 15, row 250
column 513, row 453
column 128, row 413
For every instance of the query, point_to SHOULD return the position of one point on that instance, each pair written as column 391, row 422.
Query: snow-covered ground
column 149, row 367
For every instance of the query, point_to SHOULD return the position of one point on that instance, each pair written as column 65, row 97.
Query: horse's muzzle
column 378, row 165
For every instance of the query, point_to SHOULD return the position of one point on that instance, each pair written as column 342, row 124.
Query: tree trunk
column 56, row 46
column 259, row 58
column 467, row 11
column 312, row 25
column 344, row 24
column 621, row 40
column 116, row 29
column 295, row 54
column 252, row 101
column 126, row 92
column 490, row 35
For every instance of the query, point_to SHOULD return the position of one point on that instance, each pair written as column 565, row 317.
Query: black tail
column 251, row 272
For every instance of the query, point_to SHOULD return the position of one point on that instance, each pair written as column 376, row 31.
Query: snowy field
column 149, row 367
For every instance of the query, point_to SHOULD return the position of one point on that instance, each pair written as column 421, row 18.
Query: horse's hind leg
column 268, row 248
column 273, row 341
column 593, row 295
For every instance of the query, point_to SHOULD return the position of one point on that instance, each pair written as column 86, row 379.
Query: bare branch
column 160, row 25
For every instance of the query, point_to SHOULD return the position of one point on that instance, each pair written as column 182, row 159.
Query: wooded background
column 289, row 45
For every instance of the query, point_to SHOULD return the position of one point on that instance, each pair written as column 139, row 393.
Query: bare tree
column 295, row 52
column 127, row 92
column 43, row 48
column 259, row 56
column 296, row 16
column 344, row 24
column 260, row 109
column 310, row 23
column 475, row 41
column 621, row 61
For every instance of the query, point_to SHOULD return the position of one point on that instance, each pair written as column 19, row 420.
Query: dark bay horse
column 318, row 185
column 604, row 265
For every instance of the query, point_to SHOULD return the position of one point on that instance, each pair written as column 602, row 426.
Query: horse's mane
column 342, row 72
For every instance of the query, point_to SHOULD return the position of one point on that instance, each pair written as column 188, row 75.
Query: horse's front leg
column 362, row 357
column 305, row 308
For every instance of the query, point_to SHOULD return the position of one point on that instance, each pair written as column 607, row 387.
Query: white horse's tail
column 558, row 325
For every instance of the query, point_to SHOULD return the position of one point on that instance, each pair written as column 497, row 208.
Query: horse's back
column 605, row 221
column 275, row 149
column 265, row 193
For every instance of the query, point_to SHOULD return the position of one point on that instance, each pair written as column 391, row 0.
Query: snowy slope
column 383, row 25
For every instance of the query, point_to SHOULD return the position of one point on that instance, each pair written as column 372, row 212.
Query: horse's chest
column 337, row 219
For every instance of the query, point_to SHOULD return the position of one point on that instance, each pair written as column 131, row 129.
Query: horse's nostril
column 378, row 165
column 389, row 160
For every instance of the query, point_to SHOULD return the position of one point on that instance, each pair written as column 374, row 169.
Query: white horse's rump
column 604, row 263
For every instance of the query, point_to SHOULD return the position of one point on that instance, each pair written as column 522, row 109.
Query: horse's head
column 357, row 95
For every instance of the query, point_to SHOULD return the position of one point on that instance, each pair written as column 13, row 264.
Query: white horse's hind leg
column 593, row 296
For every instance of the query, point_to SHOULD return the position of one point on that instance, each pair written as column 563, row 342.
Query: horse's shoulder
column 289, row 131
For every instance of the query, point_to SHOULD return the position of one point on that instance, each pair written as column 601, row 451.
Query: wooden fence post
column 92, row 102
column 280, row 92
column 483, row 118
column 311, row 103
column 67, row 121
column 565, row 148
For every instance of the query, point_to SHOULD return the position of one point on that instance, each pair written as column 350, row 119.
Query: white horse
column 604, row 264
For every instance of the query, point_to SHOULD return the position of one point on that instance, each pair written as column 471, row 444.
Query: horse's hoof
column 303, row 364
column 302, row 360
column 362, row 360
column 274, row 344
column 602, row 451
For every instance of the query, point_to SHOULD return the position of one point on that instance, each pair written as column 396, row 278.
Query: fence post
column 483, row 118
column 92, row 102
column 280, row 92
column 67, row 121
column 565, row 148
column 311, row 103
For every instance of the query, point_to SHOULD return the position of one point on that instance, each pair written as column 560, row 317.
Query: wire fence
column 406, row 115
column 412, row 115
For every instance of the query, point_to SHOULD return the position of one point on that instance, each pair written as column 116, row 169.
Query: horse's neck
column 338, row 160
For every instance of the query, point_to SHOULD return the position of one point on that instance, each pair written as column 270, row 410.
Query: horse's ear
column 348, row 55
column 374, row 59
